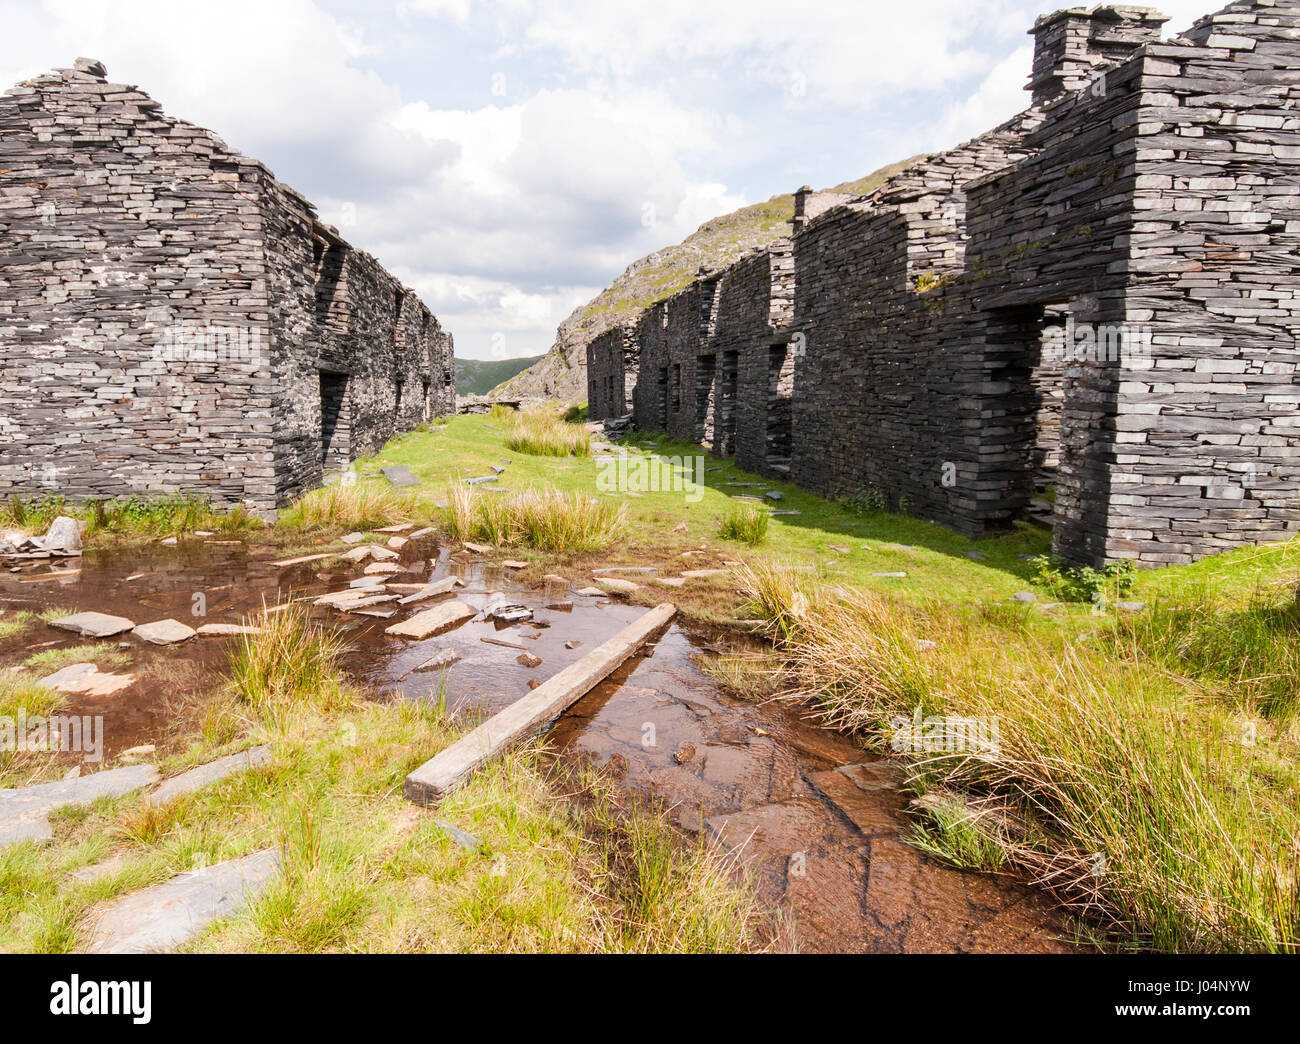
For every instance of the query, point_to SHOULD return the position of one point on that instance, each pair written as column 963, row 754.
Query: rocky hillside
column 562, row 372
column 479, row 376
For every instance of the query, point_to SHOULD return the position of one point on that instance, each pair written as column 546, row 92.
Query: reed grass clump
column 747, row 524
column 544, row 433
column 359, row 505
column 1132, row 792
column 546, row 520
column 288, row 661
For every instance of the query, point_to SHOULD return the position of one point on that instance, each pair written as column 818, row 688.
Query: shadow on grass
column 1009, row 552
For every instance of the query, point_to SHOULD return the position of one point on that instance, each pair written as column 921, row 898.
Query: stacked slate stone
column 1099, row 295
column 612, row 364
column 159, row 308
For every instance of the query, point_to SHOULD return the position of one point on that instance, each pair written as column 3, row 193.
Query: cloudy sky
column 508, row 158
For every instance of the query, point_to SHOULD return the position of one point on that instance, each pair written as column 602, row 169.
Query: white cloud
column 997, row 99
column 626, row 126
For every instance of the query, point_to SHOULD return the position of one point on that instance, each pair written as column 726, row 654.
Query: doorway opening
column 706, row 367
column 780, row 409
column 724, row 427
column 334, row 422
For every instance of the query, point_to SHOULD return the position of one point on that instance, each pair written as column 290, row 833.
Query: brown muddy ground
column 819, row 822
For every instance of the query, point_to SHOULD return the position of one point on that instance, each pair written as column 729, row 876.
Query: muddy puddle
column 820, row 823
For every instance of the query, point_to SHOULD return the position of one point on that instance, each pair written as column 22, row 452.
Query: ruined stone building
column 174, row 319
column 1097, row 299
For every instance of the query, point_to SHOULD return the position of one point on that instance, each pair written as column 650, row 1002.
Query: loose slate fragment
column 399, row 475
column 163, row 917
column 93, row 625
column 440, row 660
column 202, row 775
column 164, row 632
column 431, row 590
column 433, row 621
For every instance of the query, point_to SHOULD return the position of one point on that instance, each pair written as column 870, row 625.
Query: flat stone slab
column 24, row 811
column 167, row 915
column 433, row 621
column 86, row 679
column 461, row 837
column 202, row 775
column 93, row 625
column 438, row 587
column 440, row 660
column 224, row 630
column 614, row 585
column 399, row 475
column 164, row 632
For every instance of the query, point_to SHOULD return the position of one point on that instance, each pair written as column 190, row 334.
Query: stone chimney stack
column 1070, row 45
column 801, row 206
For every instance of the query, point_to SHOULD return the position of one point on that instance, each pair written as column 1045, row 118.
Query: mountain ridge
column 562, row 372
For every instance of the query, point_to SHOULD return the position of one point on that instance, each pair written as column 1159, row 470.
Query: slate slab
column 433, row 621
column 24, row 811
column 165, row 916
column 93, row 625
column 202, row 775
column 399, row 475
column 164, row 632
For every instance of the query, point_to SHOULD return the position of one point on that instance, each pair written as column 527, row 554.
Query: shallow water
column 825, row 844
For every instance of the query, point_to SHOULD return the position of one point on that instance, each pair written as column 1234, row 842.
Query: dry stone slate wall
column 1098, row 296
column 175, row 320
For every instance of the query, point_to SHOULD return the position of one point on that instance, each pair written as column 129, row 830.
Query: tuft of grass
column 290, row 661
column 20, row 693
column 669, row 896
column 746, row 523
column 546, row 520
column 361, row 505
column 1139, row 803
column 32, row 515
column 544, row 433
column 15, row 623
column 1249, row 654
column 162, row 516
column 53, row 659
column 776, row 595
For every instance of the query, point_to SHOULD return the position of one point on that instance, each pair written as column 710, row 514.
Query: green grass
column 1249, row 654
column 1154, row 806
column 543, row 433
column 363, row 869
column 288, row 660
column 103, row 655
column 129, row 518
column 12, row 623
column 747, row 524
column 545, row 520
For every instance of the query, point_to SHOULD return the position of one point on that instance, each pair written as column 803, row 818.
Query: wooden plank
column 305, row 558
column 49, row 576
column 428, row 784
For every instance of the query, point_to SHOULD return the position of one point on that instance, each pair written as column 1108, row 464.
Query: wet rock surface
column 819, row 823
